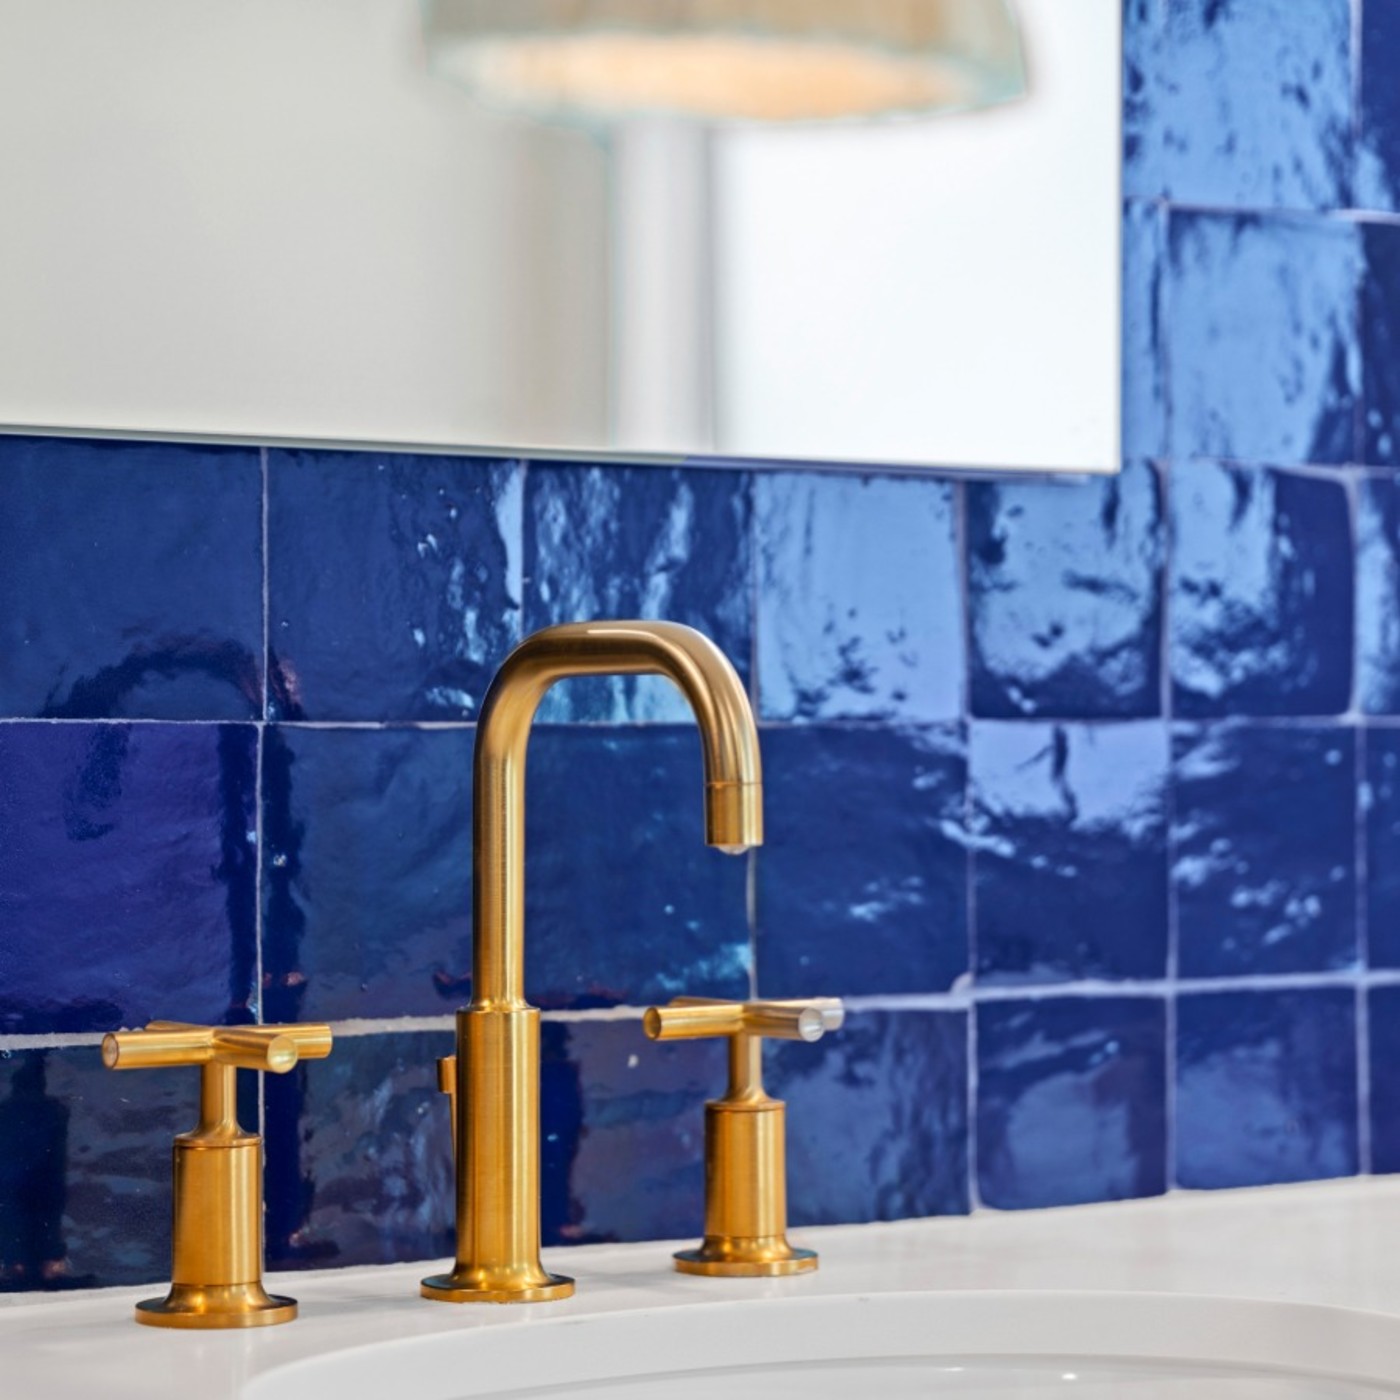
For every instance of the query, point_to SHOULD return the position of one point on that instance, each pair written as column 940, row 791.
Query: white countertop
column 1330, row 1245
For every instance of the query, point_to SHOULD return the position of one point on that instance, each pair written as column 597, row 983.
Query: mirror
column 272, row 220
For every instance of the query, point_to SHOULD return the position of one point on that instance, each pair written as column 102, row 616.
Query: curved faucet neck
column 733, row 778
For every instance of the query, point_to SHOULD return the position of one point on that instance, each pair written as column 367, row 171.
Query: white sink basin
column 998, row 1346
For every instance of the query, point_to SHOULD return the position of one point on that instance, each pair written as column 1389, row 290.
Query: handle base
column 450, row 1288
column 216, row 1306
column 732, row 1256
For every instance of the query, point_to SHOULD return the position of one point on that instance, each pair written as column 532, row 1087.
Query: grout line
column 1170, row 1067
column 972, row 1100
column 1361, row 866
column 1358, row 407
column 1364, row 1154
column 58, row 1041
column 1341, row 719
column 1352, row 214
column 756, row 702
column 751, row 917
column 973, row 996
column 258, row 924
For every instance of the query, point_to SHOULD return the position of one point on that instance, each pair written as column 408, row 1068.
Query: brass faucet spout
column 733, row 779
column 497, row 1131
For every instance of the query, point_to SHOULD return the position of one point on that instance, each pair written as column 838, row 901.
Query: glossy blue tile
column 622, row 542
column 366, row 872
column 393, row 583
column 1380, row 344
column 130, row 580
column 1239, row 104
column 1264, row 842
column 862, row 878
column 1142, row 38
column 1070, row 851
column 623, row 1127
column 1144, row 375
column 1266, row 1087
column 1065, row 596
column 876, row 1118
column 626, row 904
column 1378, row 173
column 1261, row 338
column 1261, row 588
column 1383, row 1040
column 359, row 1155
column 85, row 1174
column 127, row 874
column 1381, row 805
column 1378, row 595
column 859, row 613
column 1071, row 1100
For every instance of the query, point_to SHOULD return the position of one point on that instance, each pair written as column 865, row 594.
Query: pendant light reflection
column 590, row 61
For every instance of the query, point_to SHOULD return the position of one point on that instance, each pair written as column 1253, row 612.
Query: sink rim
column 1268, row 1336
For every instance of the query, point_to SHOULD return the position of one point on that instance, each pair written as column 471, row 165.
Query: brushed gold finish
column 497, row 1112
column 216, row 1264
column 745, row 1133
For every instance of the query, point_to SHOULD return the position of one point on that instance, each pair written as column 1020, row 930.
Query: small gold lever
column 216, row 1269
column 447, row 1084
column 745, row 1147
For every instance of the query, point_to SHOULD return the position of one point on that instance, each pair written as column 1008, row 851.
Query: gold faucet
column 498, row 1037
column 745, row 1131
column 216, row 1268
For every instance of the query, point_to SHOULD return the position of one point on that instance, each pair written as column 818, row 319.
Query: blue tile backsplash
column 1086, row 792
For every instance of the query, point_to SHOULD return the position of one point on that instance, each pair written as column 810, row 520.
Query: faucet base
column 735, row 1257
column 216, row 1306
column 448, row 1288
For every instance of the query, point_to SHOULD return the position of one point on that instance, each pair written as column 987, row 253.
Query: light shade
column 728, row 60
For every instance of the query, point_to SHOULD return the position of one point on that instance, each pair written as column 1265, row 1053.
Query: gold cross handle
column 745, row 1131
column 216, row 1270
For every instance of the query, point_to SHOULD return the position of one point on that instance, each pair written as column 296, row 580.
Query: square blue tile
column 1239, row 104
column 1381, row 805
column 1065, row 596
column 1378, row 174
column 1070, row 856
column 623, row 1128
column 1261, row 337
column 625, row 542
column 393, row 583
column 1383, row 1013
column 130, row 580
column 859, row 611
column 127, row 874
column 1380, row 344
column 1264, row 849
column 1144, row 375
column 862, row 880
column 366, row 872
column 1378, row 595
column 358, row 1155
column 896, row 1083
column 1071, row 1101
column 625, row 904
column 1266, row 1087
column 1261, row 593
column 85, row 1175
